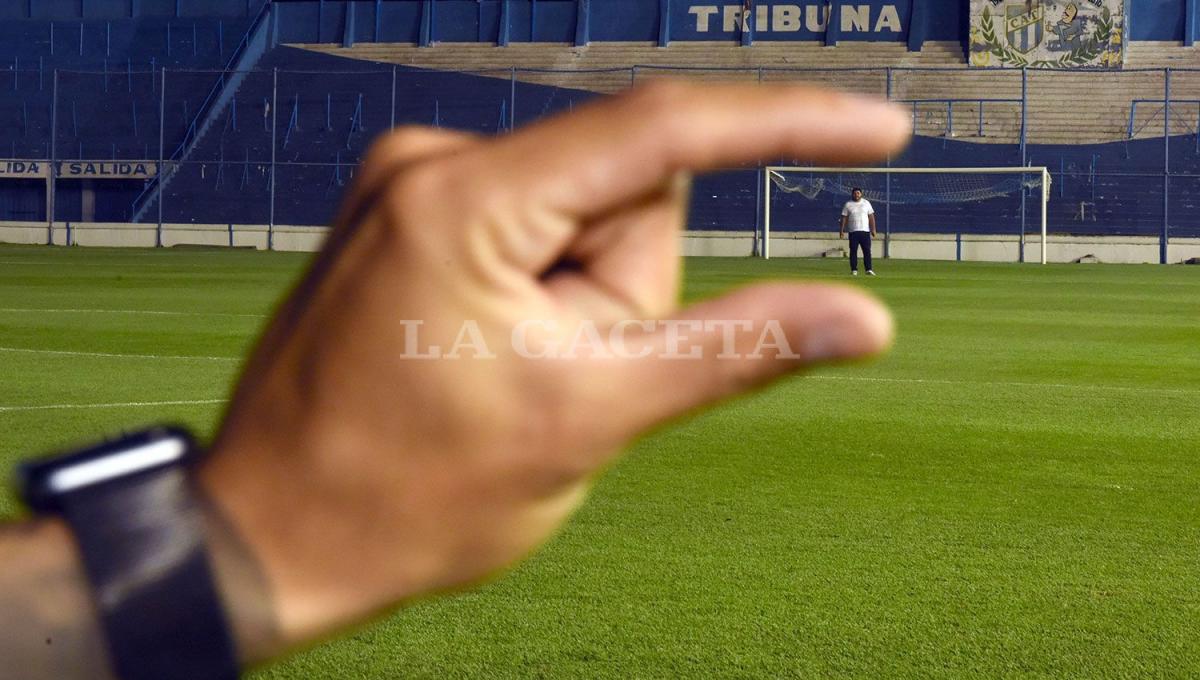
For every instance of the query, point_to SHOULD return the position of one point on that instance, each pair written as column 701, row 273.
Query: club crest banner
column 1048, row 33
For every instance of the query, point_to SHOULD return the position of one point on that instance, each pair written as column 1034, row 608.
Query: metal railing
column 1133, row 106
column 374, row 99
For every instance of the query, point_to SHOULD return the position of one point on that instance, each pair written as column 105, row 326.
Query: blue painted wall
column 1157, row 19
column 618, row 20
column 555, row 20
column 641, row 20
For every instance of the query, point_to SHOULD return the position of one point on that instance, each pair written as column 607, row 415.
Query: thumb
column 746, row 339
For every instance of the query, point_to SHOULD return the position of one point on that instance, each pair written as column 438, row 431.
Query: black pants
column 860, row 239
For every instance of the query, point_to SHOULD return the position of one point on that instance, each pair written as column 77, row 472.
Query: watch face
column 43, row 482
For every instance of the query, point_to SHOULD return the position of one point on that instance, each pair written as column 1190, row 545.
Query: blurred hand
column 361, row 475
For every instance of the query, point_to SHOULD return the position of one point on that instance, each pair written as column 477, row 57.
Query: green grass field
column 1014, row 490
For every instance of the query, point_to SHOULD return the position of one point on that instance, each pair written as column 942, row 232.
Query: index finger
column 610, row 152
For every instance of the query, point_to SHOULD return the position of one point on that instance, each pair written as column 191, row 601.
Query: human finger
column 613, row 151
column 746, row 339
column 393, row 152
column 628, row 264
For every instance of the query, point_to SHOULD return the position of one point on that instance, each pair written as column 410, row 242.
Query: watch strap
column 143, row 549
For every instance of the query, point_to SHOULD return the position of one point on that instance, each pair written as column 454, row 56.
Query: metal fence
column 277, row 145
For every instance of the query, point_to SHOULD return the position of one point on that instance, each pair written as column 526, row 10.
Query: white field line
column 18, row 310
column 119, row 404
column 914, row 381
column 1066, row 386
column 60, row 352
column 195, row 402
column 53, row 263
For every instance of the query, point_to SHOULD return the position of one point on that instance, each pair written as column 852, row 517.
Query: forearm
column 50, row 621
column 46, row 612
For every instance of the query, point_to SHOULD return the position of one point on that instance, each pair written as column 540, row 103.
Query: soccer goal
column 991, row 201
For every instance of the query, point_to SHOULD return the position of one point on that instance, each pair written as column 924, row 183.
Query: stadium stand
column 327, row 111
column 605, row 68
column 275, row 140
column 106, row 76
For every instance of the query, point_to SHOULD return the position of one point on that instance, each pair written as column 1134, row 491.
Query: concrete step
column 1053, row 115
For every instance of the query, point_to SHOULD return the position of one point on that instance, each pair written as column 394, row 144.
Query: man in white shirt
column 859, row 216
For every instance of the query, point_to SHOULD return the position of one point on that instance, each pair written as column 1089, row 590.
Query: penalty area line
column 116, row 404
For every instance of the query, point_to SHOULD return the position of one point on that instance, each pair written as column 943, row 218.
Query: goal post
column 968, row 195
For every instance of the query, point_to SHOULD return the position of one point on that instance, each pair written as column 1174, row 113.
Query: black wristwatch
column 133, row 508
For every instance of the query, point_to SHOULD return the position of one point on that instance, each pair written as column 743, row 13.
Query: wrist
column 329, row 555
column 276, row 548
column 242, row 585
column 143, row 550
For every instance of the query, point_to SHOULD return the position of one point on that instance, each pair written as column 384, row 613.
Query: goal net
column 994, row 201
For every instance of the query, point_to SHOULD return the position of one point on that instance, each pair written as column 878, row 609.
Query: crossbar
column 912, row 171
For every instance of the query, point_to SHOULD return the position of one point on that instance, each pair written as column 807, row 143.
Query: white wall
column 1116, row 249
column 125, row 235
